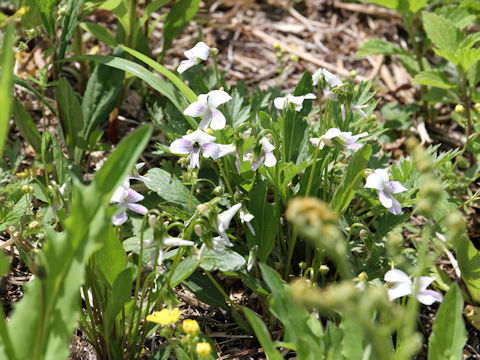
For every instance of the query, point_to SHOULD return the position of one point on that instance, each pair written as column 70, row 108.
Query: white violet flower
column 126, row 199
column 245, row 218
column 403, row 285
column 206, row 106
column 195, row 143
column 265, row 156
column 379, row 180
column 223, row 222
column 334, row 137
column 166, row 243
column 282, row 102
column 332, row 81
column 195, row 55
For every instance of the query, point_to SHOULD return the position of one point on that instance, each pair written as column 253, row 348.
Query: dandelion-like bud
column 203, row 349
column 190, row 327
column 459, row 109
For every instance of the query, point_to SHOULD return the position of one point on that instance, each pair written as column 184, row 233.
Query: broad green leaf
column 449, row 335
column 353, row 339
column 63, row 264
column 26, row 125
column 46, row 13
column 69, row 25
column 377, row 46
column 235, row 112
column 189, row 94
column 470, row 41
column 151, row 8
column 6, row 63
column 100, row 32
column 294, row 317
column 469, row 263
column 101, row 96
column 4, row 264
column 4, row 333
column 184, row 269
column 111, row 259
column 171, row 189
column 467, row 58
column 60, row 161
column 229, row 260
column 262, row 334
column 391, row 4
column 120, row 9
column 123, row 159
column 121, row 293
column 416, row 5
column 71, row 113
column 435, row 78
column 442, row 32
column 461, row 17
column 177, row 19
column 151, row 79
column 264, row 221
column 204, row 290
column 351, row 180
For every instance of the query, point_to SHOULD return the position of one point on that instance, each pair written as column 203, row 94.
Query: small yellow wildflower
column 203, row 349
column 165, row 316
column 191, row 327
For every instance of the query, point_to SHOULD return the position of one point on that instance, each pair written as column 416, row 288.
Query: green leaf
column 449, row 335
column 26, row 125
column 100, row 32
column 6, row 63
column 204, row 290
column 71, row 113
column 353, row 339
column 467, row 58
column 4, row 264
column 229, row 260
column 442, row 32
column 122, row 160
column 351, row 180
column 60, row 161
column 120, row 9
column 235, row 112
column 435, row 78
column 184, row 269
column 121, row 293
column 111, row 259
column 26, row 85
column 264, row 221
column 46, row 13
column 170, row 189
column 69, row 25
column 177, row 19
column 416, row 5
column 391, row 4
column 459, row 16
column 262, row 334
column 469, row 263
column 189, row 94
column 151, row 79
column 151, row 8
column 101, row 96
column 377, row 46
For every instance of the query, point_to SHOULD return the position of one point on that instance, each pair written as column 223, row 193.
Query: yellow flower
column 191, row 327
column 203, row 349
column 165, row 316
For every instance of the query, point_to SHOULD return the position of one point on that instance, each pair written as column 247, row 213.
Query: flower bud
column 27, row 189
column 477, row 107
column 323, row 269
column 33, row 225
column 198, row 230
column 363, row 234
column 203, row 349
column 353, row 74
column 218, row 190
column 209, row 131
column 214, row 51
column 190, row 327
column 276, row 46
column 152, row 221
column 459, row 109
column 294, row 58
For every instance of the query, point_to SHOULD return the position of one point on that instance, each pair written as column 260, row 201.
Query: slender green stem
column 37, row 354
column 217, row 73
column 219, row 288
column 225, row 178
column 282, row 126
column 291, row 247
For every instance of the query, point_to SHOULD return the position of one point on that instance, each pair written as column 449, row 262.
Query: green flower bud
column 459, row 109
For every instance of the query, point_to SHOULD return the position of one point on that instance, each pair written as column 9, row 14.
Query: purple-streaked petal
column 386, row 199
column 354, row 146
column 314, row 141
column 196, row 109
column 133, row 196
column 205, row 122
column 199, row 136
column 119, row 218
column 256, row 163
column 374, row 181
column 217, row 98
column 424, row 282
column 399, row 290
column 238, row 164
column 211, row 150
column 181, row 146
column 397, row 276
column 247, row 155
column 270, row 159
column 200, row 50
column 396, row 208
column 185, row 64
column 195, row 158
column 139, row 209
column 218, row 120
column 396, row 187
column 428, row 297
